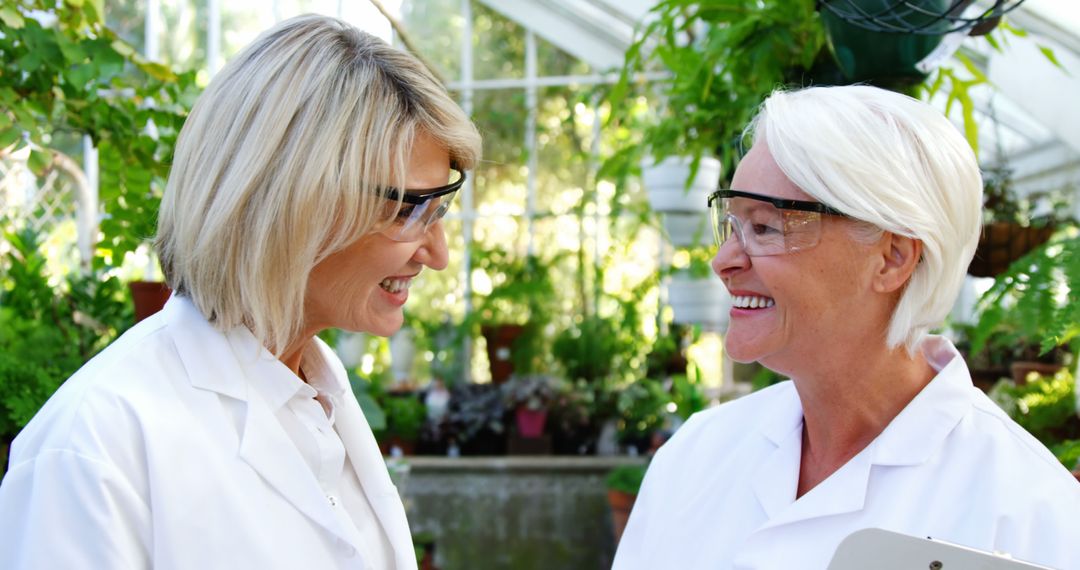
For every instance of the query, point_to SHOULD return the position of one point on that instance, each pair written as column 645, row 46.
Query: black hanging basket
column 1002, row 243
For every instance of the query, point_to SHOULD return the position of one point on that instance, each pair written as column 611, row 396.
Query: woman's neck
column 847, row 407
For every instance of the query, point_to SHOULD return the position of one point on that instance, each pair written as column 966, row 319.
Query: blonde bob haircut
column 896, row 163
column 280, row 163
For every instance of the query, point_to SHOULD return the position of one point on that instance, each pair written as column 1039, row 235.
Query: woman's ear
column 901, row 254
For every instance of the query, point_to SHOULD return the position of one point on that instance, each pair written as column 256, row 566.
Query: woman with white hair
column 306, row 193
column 844, row 239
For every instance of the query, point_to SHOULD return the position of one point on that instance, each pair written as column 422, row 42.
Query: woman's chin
column 741, row 352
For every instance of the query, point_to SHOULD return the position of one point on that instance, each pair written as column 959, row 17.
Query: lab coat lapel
column 367, row 460
column 776, row 481
column 371, row 470
column 225, row 363
column 266, row 447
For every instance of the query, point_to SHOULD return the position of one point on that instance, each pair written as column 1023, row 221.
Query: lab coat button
column 332, row 499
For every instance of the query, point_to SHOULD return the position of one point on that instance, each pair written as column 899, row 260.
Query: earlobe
column 902, row 254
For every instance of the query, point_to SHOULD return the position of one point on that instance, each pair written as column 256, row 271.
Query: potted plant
column 475, row 419
column 623, row 484
column 47, row 332
column 1027, row 311
column 696, row 295
column 1046, row 407
column 529, row 395
column 722, row 59
column 1012, row 225
column 514, row 315
column 405, row 417
column 642, row 407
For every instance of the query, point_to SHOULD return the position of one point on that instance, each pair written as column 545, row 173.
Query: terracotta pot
column 621, row 504
column 530, row 423
column 500, row 344
column 149, row 297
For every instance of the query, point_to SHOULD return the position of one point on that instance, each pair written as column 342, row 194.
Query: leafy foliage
column 626, row 478
column 1045, row 407
column 47, row 332
column 405, row 416
column 1032, row 303
column 724, row 57
column 64, row 72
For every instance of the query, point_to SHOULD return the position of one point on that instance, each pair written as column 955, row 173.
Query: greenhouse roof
column 1027, row 117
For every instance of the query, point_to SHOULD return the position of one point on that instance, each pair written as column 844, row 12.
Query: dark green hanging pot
column 882, row 58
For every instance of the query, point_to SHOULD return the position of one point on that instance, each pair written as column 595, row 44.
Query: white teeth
column 395, row 285
column 752, row 302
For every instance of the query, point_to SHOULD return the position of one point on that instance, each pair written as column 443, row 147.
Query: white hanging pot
column 402, row 353
column 687, row 230
column 350, row 348
column 683, row 210
column 665, row 183
column 700, row 301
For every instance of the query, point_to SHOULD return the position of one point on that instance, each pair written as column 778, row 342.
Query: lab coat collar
column 228, row 363
column 916, row 434
column 209, row 361
column 919, row 431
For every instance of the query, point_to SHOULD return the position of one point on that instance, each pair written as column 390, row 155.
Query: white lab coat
column 160, row 453
column 951, row 465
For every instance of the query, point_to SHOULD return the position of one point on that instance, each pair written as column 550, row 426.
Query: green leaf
column 10, row 136
column 39, row 161
column 11, row 17
column 1049, row 53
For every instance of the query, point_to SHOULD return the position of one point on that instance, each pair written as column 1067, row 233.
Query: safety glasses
column 419, row 208
column 765, row 225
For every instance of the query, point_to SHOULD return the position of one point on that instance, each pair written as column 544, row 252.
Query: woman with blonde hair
column 306, row 193
column 843, row 241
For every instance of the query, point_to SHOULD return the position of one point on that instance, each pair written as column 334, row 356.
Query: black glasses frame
column 417, row 197
column 780, row 203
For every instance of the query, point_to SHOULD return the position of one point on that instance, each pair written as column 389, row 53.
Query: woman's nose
column 433, row 251
column 730, row 257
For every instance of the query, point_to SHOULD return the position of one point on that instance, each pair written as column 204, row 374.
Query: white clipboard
column 886, row 550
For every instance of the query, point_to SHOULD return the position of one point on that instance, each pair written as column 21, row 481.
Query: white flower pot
column 666, row 184
column 700, row 301
column 402, row 354
column 683, row 210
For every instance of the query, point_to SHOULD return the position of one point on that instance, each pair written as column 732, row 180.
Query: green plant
column 641, row 407
column 405, row 416
column 1038, row 209
column 723, row 58
column 687, row 396
column 475, row 408
column 47, row 332
column 522, row 293
column 1045, row 407
column 531, row 391
column 63, row 73
column 626, row 478
column 1030, row 304
column 368, row 394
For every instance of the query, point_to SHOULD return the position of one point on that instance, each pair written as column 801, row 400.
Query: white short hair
column 279, row 162
column 896, row 163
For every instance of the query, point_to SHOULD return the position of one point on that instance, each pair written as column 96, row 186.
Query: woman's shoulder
column 107, row 399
